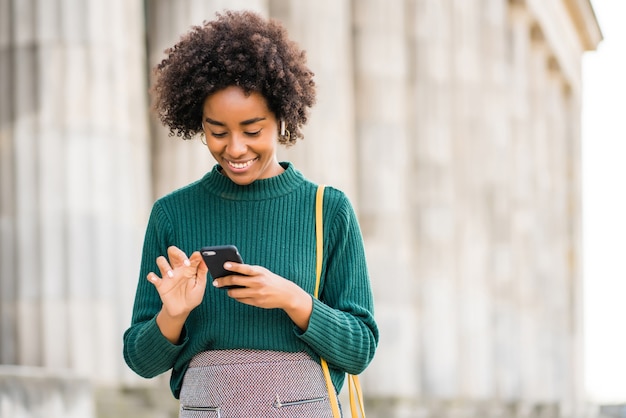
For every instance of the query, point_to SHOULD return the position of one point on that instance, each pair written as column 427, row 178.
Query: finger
column 154, row 279
column 164, row 267
column 198, row 263
column 194, row 260
column 177, row 257
column 219, row 282
column 224, row 281
column 242, row 269
column 232, row 281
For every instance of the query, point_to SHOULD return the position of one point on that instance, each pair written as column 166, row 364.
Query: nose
column 236, row 146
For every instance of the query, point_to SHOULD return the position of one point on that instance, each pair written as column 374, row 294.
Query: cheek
column 269, row 141
column 214, row 149
column 212, row 144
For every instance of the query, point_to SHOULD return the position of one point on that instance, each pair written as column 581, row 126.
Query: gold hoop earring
column 202, row 139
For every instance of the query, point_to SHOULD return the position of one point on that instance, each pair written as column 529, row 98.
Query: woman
column 249, row 350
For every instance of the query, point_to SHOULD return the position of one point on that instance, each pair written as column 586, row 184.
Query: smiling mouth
column 242, row 165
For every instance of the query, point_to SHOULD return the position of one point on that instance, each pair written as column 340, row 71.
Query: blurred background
column 481, row 142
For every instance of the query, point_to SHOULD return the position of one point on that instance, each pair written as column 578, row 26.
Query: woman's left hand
column 264, row 289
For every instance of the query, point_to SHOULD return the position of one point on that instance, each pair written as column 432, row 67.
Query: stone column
column 473, row 169
column 573, row 251
column 386, row 188
column 499, row 84
column 540, row 384
column 570, row 100
column 8, row 282
column 521, row 195
column 75, row 186
column 435, row 199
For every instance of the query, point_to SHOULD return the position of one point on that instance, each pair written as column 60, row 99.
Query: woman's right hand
column 181, row 288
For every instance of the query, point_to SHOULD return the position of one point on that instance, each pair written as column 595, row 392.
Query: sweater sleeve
column 146, row 351
column 342, row 328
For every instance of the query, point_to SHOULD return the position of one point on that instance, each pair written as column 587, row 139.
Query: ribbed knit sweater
column 272, row 223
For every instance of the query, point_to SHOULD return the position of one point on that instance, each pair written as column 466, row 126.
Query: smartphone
column 215, row 257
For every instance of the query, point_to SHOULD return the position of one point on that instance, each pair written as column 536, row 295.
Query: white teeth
column 240, row 165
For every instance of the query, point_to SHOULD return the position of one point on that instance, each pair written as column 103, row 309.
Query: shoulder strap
column 319, row 237
column 353, row 381
column 354, row 385
column 319, row 254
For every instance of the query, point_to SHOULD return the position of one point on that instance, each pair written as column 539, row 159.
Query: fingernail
column 227, row 265
column 187, row 262
column 170, row 274
column 152, row 278
column 215, row 283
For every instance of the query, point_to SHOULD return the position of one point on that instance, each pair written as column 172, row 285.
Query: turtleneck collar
column 217, row 183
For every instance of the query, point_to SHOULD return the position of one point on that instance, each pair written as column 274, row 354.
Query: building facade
column 453, row 125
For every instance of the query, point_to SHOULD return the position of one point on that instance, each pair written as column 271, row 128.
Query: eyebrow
column 242, row 123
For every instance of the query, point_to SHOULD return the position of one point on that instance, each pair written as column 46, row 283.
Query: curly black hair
column 238, row 48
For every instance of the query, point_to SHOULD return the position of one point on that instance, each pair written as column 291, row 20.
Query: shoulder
column 181, row 195
column 189, row 189
column 177, row 204
column 337, row 207
column 335, row 198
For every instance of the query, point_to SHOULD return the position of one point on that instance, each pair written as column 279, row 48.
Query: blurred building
column 453, row 125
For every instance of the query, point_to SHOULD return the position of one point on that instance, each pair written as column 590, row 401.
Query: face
column 241, row 134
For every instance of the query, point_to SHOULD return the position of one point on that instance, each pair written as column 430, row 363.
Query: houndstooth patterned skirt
column 254, row 384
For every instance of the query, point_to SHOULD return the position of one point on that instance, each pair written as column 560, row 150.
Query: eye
column 218, row 134
column 257, row 133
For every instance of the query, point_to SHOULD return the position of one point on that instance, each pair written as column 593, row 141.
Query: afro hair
column 238, row 48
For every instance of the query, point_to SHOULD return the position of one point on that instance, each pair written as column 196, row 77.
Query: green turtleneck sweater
column 272, row 223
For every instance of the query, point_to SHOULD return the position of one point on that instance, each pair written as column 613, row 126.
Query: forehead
column 235, row 100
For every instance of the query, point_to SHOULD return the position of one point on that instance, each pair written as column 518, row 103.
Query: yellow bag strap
column 319, row 237
column 354, row 386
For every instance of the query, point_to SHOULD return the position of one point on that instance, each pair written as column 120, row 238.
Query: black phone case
column 215, row 257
